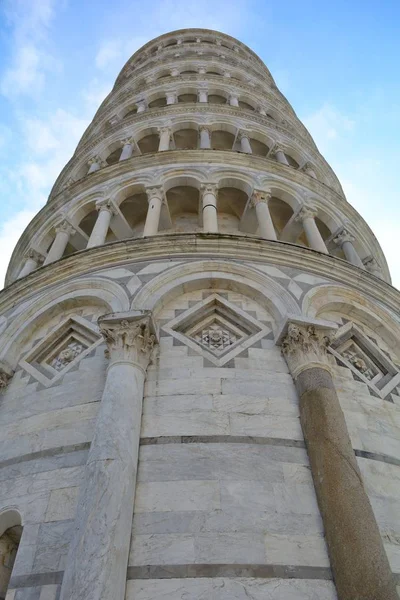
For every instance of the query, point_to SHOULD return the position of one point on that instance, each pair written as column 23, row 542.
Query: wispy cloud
column 328, row 124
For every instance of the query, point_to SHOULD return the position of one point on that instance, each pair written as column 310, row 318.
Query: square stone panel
column 61, row 350
column 368, row 363
column 216, row 329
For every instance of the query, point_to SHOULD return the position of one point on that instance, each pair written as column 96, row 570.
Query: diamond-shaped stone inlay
column 368, row 363
column 217, row 329
column 61, row 349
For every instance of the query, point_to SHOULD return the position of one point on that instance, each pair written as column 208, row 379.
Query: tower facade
column 199, row 357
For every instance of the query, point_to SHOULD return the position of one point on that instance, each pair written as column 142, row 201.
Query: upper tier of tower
column 192, row 109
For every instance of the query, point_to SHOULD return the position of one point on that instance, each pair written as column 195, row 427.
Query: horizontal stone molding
column 221, row 439
column 49, row 453
column 195, row 246
column 228, row 570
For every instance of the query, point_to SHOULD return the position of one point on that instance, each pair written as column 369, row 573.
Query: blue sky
column 336, row 62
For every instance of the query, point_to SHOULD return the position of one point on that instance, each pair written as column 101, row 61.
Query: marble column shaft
column 280, row 156
column 359, row 563
column 100, row 229
column 33, row 260
column 63, row 233
column 307, row 216
column 245, row 145
column 165, row 136
column 205, row 138
column 209, row 207
column 98, row 554
column 127, row 149
column 345, row 240
column 155, row 196
column 265, row 225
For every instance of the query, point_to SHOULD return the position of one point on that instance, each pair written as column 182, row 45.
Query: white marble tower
column 199, row 356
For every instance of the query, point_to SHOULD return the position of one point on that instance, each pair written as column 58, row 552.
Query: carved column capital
column 96, row 160
column 65, row 227
column 34, row 255
column 130, row 337
column 6, row 374
column 105, row 204
column 306, row 212
column 243, row 134
column 209, row 188
column 205, row 128
column 343, row 236
column 126, row 141
column 155, row 191
column 304, row 346
column 372, row 265
column 260, row 196
column 164, row 130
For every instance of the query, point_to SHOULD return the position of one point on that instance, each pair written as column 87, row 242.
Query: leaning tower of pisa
column 199, row 356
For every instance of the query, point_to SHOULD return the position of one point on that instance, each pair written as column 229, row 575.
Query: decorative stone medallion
column 368, row 363
column 217, row 329
column 59, row 351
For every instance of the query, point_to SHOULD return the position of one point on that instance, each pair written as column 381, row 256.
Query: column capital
column 205, row 128
column 277, row 149
column 372, row 265
column 260, row 196
column 65, row 227
column 127, row 141
column 343, row 236
column 165, row 129
column 155, row 191
column 306, row 212
column 304, row 344
column 202, row 70
column 243, row 134
column 6, row 374
column 175, row 72
column 105, row 204
column 227, row 74
column 209, row 188
column 34, row 255
column 96, row 159
column 70, row 181
column 130, row 337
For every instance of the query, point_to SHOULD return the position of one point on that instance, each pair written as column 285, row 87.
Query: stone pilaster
column 98, row 555
column 359, row 563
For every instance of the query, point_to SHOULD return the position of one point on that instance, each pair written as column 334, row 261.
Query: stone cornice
column 192, row 246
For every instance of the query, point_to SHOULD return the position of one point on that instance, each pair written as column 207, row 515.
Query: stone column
column 95, row 164
column 171, row 98
column 372, row 265
column 156, row 197
column 141, row 106
column 209, row 207
column 260, row 201
column 345, row 240
column 205, row 137
column 98, row 554
column 359, row 563
column 63, row 233
column 175, row 72
column 165, row 136
column 6, row 374
column 308, row 170
column 32, row 260
column 245, row 145
column 127, row 148
column 307, row 216
column 262, row 111
column 100, row 229
column 280, row 156
column 202, row 70
column 203, row 95
column 233, row 100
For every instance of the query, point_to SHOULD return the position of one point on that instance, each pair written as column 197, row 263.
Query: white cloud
column 30, row 60
column 327, row 125
column 10, row 232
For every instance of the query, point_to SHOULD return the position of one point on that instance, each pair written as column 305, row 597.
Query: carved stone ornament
column 130, row 339
column 105, row 204
column 306, row 212
column 34, row 255
column 5, row 375
column 65, row 227
column 342, row 237
column 305, row 346
column 260, row 196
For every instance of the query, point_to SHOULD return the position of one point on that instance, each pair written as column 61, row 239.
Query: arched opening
column 258, row 148
column 10, row 537
column 187, row 98
column 189, row 72
column 158, row 102
column 186, row 139
column 114, row 156
column 222, row 140
column 149, row 143
column 231, row 204
column 183, row 203
column 216, row 99
column 281, row 213
column 131, row 111
column 245, row 105
column 213, row 73
column 292, row 162
column 134, row 210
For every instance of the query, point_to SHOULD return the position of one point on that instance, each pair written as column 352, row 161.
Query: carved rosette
column 305, row 346
column 129, row 339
